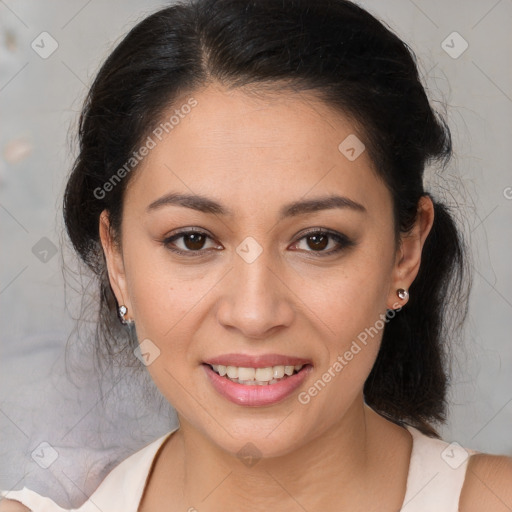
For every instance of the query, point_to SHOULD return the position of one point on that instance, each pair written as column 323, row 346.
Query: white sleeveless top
column 436, row 475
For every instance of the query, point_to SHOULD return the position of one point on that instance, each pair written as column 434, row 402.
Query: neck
column 329, row 471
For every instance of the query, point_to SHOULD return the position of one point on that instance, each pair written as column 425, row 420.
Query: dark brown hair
column 354, row 63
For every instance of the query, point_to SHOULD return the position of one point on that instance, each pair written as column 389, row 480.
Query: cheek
column 356, row 318
column 163, row 301
column 157, row 297
column 166, row 306
column 354, row 295
column 169, row 300
column 352, row 307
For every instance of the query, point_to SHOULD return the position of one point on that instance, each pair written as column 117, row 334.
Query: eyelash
column 342, row 240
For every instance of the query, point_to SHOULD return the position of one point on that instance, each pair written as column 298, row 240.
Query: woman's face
column 259, row 287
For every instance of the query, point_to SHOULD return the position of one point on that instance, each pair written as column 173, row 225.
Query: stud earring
column 402, row 294
column 122, row 311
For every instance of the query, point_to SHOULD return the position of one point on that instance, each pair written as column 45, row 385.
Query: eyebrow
column 301, row 207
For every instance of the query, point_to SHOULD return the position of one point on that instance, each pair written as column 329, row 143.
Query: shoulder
column 12, row 506
column 488, row 484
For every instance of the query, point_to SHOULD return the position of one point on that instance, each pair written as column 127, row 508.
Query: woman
column 249, row 192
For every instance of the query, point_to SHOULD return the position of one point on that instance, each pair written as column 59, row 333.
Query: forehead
column 268, row 148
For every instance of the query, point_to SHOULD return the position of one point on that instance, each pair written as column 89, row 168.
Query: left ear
column 408, row 257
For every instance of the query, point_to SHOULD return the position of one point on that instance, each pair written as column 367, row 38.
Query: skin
column 333, row 453
column 254, row 155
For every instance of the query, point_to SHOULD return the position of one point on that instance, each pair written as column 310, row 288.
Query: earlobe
column 114, row 260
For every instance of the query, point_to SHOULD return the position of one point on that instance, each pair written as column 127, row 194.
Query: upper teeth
column 257, row 374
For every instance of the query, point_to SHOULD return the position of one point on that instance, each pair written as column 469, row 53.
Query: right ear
column 114, row 259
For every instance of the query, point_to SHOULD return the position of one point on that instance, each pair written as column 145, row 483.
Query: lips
column 242, row 393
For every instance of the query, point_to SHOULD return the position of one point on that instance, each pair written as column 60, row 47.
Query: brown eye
column 192, row 241
column 318, row 240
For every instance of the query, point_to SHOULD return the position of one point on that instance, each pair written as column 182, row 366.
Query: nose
column 257, row 301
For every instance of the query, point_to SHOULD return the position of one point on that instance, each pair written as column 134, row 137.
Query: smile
column 251, row 386
column 256, row 376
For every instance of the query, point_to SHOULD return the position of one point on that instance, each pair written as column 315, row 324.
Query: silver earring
column 122, row 311
column 402, row 294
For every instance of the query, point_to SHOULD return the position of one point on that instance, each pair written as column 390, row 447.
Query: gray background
column 39, row 101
